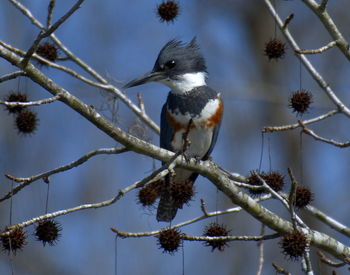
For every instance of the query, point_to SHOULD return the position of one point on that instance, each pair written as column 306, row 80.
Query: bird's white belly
column 200, row 140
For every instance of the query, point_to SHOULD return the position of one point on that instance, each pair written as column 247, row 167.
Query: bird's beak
column 148, row 77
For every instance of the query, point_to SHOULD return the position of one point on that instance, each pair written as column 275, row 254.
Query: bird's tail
column 167, row 206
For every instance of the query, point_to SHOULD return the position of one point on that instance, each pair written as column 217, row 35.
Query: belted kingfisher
column 191, row 107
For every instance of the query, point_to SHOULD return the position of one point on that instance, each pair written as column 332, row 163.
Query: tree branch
column 313, row 72
column 45, row 175
column 296, row 125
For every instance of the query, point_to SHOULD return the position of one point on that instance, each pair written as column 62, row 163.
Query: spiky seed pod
column 275, row 180
column 303, row 196
column 26, row 122
column 181, row 192
column 15, row 241
column 275, row 49
column 216, row 230
column 148, row 194
column 48, row 51
column 169, row 240
column 48, row 231
column 168, row 11
column 255, row 181
column 300, row 101
column 16, row 97
column 294, row 244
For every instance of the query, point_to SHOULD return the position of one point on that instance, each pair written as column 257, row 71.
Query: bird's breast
column 200, row 132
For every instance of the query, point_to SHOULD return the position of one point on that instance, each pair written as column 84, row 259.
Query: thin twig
column 287, row 21
column 50, row 12
column 306, row 262
column 313, row 72
column 144, row 117
column 159, row 173
column 226, row 238
column 341, row 228
column 194, row 220
column 197, row 238
column 45, row 33
column 281, row 199
column 329, row 24
column 203, row 208
column 12, row 75
column 320, row 50
column 317, row 137
column 323, row 5
column 26, row 181
column 261, row 251
column 30, row 103
column 292, row 197
column 120, row 194
column 280, row 269
column 296, row 125
column 140, row 102
column 328, row 261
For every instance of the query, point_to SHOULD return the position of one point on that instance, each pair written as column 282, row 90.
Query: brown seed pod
column 16, row 97
column 48, row 51
column 168, row 11
column 303, row 197
column 300, row 101
column 169, row 240
column 216, row 230
column 48, row 231
column 15, row 241
column 148, row 194
column 274, row 179
column 275, row 49
column 26, row 122
column 294, row 244
column 181, row 192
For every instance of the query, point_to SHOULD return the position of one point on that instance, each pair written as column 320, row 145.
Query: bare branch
column 296, row 125
column 329, row 262
column 280, row 269
column 323, row 5
column 144, row 117
column 45, row 33
column 141, row 104
column 45, row 175
column 281, row 199
column 30, row 103
column 341, row 228
column 330, row 26
column 196, row 238
column 203, row 208
column 291, row 196
column 50, row 12
column 313, row 72
column 120, row 194
column 317, row 137
column 159, row 173
column 261, row 251
column 320, row 50
column 226, row 238
column 12, row 76
column 287, row 21
column 306, row 262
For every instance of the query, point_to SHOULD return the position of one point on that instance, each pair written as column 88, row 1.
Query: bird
column 192, row 108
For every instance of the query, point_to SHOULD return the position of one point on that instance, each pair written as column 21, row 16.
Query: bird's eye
column 170, row 64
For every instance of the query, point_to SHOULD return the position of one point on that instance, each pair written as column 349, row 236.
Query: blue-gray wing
column 167, row 207
column 213, row 141
column 166, row 131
